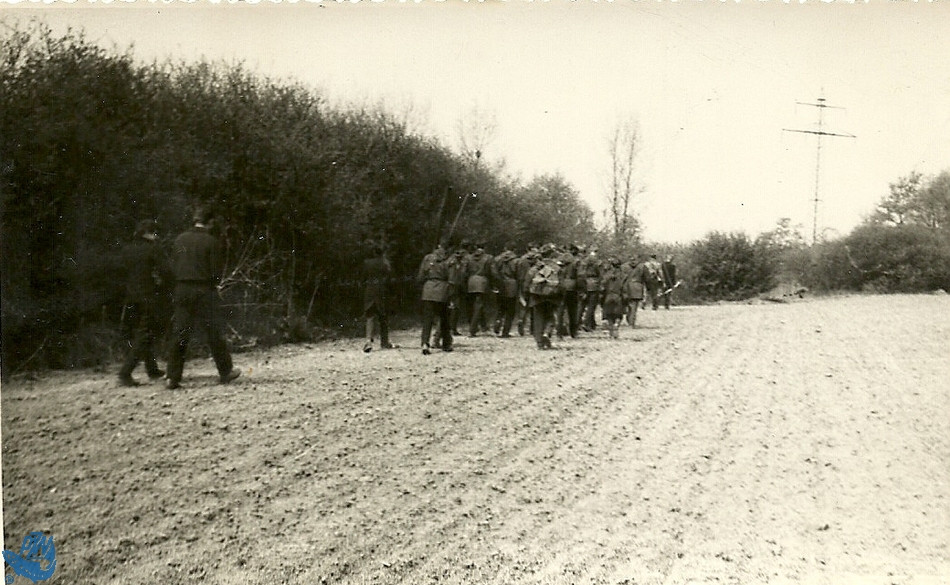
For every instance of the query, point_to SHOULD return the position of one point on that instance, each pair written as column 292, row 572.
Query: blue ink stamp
column 37, row 558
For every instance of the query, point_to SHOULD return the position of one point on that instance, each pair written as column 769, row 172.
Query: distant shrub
column 730, row 267
column 879, row 259
column 902, row 258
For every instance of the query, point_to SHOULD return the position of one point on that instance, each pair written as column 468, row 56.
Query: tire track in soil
column 682, row 424
column 468, row 398
column 519, row 405
column 734, row 457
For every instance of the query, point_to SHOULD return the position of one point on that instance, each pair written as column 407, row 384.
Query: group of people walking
column 193, row 274
column 549, row 289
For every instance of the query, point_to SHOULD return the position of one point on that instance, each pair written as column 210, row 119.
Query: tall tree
column 785, row 236
column 935, row 202
column 623, row 148
column 898, row 206
column 553, row 211
column 475, row 131
column 916, row 200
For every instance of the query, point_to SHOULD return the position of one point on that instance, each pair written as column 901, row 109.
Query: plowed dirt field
column 801, row 442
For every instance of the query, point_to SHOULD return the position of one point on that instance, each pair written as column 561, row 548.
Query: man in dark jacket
column 197, row 261
column 376, row 274
column 567, row 314
column 505, row 275
column 456, row 270
column 522, row 265
column 478, row 270
column 668, row 272
column 455, row 273
column 545, row 295
column 147, row 277
column 434, row 275
column 654, row 280
column 635, row 288
column 614, row 282
column 462, row 310
column 589, row 270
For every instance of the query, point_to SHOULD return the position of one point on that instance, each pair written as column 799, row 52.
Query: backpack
column 568, row 273
column 510, row 269
column 653, row 272
column 546, row 280
column 504, row 265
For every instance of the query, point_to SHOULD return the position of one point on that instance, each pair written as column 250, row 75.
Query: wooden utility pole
column 821, row 105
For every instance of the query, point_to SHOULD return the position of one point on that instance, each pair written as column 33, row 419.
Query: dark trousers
column 376, row 315
column 568, row 314
column 654, row 295
column 507, row 307
column 590, row 319
column 666, row 298
column 196, row 306
column 432, row 310
column 543, row 319
column 455, row 312
column 522, row 314
column 463, row 309
column 632, row 307
column 479, row 320
column 143, row 326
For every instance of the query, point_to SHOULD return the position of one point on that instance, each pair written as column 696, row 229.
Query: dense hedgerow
column 92, row 141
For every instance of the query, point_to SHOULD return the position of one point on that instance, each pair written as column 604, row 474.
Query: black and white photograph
column 508, row 292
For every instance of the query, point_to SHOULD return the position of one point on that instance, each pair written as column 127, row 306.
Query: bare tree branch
column 623, row 148
column 476, row 131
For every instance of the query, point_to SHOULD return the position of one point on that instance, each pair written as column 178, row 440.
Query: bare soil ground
column 800, row 442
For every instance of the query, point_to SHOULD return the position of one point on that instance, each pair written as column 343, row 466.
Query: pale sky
column 712, row 86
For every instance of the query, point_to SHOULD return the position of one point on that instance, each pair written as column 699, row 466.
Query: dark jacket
column 455, row 269
column 522, row 265
column 434, row 277
column 615, row 289
column 197, row 257
column 147, row 272
column 568, row 272
column 637, row 279
column 534, row 299
column 376, row 274
column 505, row 275
column 479, row 272
column 590, row 271
column 668, row 271
column 654, row 279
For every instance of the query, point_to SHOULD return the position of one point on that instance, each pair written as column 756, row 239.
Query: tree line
column 902, row 246
column 91, row 141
